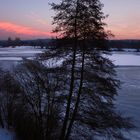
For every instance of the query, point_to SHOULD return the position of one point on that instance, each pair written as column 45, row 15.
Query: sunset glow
column 21, row 30
column 33, row 19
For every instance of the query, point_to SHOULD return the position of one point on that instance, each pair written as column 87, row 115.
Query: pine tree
column 81, row 29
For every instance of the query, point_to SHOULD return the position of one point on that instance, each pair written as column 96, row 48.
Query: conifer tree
column 80, row 26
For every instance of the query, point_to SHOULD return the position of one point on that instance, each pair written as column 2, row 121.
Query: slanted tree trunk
column 64, row 127
column 78, row 96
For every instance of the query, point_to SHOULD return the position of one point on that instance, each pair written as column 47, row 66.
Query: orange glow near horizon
column 32, row 19
column 129, row 30
column 125, row 32
column 123, row 21
column 120, row 31
column 23, row 30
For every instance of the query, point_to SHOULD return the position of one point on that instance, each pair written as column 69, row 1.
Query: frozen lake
column 128, row 71
column 125, row 58
column 18, row 52
column 128, row 101
column 9, row 57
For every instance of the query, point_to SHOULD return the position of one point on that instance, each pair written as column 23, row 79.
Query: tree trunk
column 78, row 96
column 64, row 127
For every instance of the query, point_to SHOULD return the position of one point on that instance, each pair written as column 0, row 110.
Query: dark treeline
column 124, row 44
column 46, row 43
column 43, row 43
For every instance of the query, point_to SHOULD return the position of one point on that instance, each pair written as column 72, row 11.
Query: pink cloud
column 23, row 30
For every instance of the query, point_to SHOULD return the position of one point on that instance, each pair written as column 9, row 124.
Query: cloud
column 22, row 30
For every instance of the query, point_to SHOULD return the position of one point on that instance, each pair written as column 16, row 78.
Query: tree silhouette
column 81, row 30
column 17, row 41
column 9, row 42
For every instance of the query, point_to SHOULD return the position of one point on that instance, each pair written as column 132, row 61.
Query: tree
column 41, row 101
column 30, row 100
column 81, row 31
column 9, row 42
column 17, row 41
column 8, row 97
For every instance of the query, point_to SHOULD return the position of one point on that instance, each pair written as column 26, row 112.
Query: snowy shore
column 128, row 70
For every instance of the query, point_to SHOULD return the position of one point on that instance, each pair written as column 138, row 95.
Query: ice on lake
column 9, row 56
column 125, row 58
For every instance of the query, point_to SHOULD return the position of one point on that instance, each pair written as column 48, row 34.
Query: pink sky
column 33, row 20
column 22, row 30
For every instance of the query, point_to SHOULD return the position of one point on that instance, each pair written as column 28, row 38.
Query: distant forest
column 124, row 44
column 118, row 45
column 18, row 42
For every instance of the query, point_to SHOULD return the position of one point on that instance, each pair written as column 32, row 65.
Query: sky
column 31, row 19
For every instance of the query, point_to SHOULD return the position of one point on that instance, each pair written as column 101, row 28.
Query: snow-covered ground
column 125, row 58
column 128, row 99
column 9, row 56
column 126, row 49
column 127, row 102
column 20, row 51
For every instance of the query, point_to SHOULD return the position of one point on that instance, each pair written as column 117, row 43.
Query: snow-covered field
column 9, row 57
column 18, row 52
column 125, row 58
column 128, row 70
column 128, row 99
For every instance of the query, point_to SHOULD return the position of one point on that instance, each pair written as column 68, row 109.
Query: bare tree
column 40, row 91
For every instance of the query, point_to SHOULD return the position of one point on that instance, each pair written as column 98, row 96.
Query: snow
column 23, row 47
column 10, row 59
column 6, row 135
column 125, row 58
column 124, row 50
column 53, row 63
column 18, row 53
column 129, row 97
column 129, row 50
column 20, row 50
column 133, row 135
